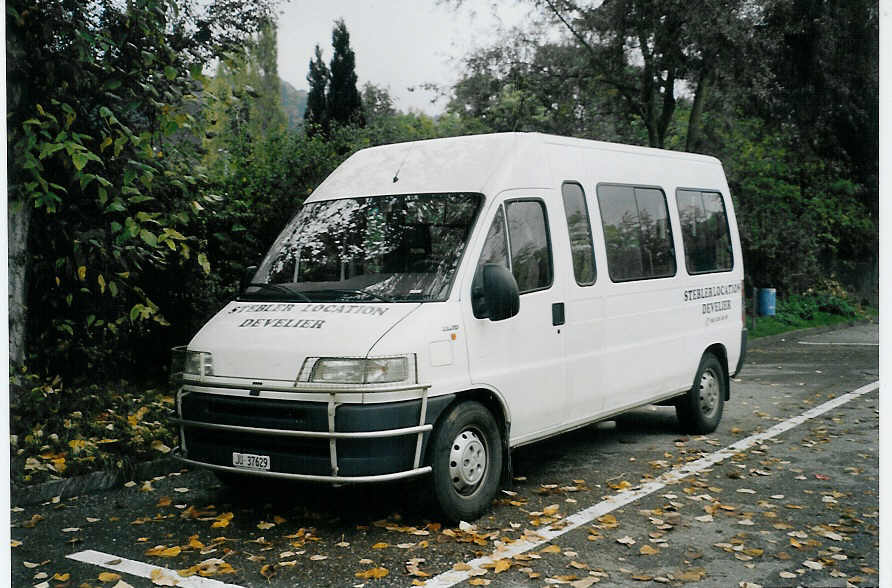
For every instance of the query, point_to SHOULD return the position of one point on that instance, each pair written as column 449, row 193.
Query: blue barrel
column 767, row 301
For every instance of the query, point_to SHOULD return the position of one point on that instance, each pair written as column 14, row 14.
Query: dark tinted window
column 530, row 248
column 704, row 228
column 581, row 247
column 637, row 233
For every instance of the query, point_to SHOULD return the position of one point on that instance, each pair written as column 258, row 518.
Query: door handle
column 557, row 314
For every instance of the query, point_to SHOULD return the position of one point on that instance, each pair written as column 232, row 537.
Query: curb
column 90, row 483
column 771, row 339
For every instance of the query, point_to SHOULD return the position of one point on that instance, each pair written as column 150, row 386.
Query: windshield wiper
column 361, row 291
column 279, row 289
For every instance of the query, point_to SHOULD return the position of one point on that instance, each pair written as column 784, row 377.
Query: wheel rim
column 709, row 393
column 467, row 461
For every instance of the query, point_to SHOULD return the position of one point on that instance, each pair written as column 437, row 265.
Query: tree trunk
column 19, row 218
column 703, row 85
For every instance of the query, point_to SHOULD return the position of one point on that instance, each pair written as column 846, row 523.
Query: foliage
column 61, row 432
column 344, row 104
column 316, row 114
column 827, row 303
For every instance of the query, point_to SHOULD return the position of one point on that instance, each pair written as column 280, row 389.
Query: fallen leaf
column 787, row 575
column 268, row 571
column 813, row 565
column 626, row 540
column 502, row 565
column 551, row 549
column 71, row 530
column 372, row 573
column 479, row 582
column 164, row 501
column 108, row 577
column 62, row 577
column 162, row 551
column 648, row 550
column 318, row 557
column 380, row 545
column 159, row 578
column 585, row 582
column 263, row 525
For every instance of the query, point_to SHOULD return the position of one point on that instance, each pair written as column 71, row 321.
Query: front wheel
column 467, row 461
column 700, row 410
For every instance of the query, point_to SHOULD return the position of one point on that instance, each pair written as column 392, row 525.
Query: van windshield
column 386, row 248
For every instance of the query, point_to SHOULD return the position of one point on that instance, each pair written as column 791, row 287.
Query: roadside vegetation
column 824, row 307
column 152, row 159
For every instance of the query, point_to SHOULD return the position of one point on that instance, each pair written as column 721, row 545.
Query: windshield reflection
column 382, row 248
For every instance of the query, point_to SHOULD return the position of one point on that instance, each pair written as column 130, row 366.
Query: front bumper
column 324, row 440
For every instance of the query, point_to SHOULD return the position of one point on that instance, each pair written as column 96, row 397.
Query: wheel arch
column 497, row 406
column 721, row 353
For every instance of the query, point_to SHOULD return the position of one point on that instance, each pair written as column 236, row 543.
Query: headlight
column 342, row 370
column 187, row 361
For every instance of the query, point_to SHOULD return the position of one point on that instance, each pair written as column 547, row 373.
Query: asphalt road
column 609, row 505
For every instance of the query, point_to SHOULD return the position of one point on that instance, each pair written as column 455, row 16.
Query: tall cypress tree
column 316, row 114
column 344, row 102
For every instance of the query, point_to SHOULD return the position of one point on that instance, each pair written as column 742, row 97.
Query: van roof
column 472, row 163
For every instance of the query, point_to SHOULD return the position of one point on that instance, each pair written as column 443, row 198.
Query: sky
column 399, row 44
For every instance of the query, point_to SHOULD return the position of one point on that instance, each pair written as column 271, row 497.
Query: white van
column 435, row 304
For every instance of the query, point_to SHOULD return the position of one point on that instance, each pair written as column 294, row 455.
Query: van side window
column 529, row 243
column 704, row 228
column 582, row 248
column 636, row 232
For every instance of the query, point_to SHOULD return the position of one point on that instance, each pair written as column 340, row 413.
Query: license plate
column 249, row 461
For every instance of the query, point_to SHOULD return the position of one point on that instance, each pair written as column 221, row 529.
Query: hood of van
column 271, row 340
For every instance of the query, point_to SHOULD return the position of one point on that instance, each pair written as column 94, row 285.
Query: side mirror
column 494, row 293
column 247, row 277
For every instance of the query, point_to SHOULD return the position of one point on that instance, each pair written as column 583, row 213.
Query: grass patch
column 771, row 325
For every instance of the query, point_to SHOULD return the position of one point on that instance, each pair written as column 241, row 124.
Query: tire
column 466, row 458
column 700, row 410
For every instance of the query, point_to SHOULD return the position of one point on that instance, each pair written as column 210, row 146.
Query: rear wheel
column 700, row 410
column 467, row 461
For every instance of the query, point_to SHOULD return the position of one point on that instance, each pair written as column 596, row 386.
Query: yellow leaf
column 159, row 578
column 479, row 582
column 461, row 567
column 263, row 525
column 62, row 577
column 551, row 549
column 109, row 577
column 381, row 545
column 621, row 485
column 372, row 573
column 279, row 520
column 223, row 520
column 267, row 571
column 162, row 551
column 82, row 273
column 502, row 565
column 194, row 543
column 164, row 501
column 550, row 510
column 101, row 282
column 648, row 550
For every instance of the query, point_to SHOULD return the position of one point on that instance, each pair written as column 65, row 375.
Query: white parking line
column 144, row 570
column 853, row 344
column 453, row 577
